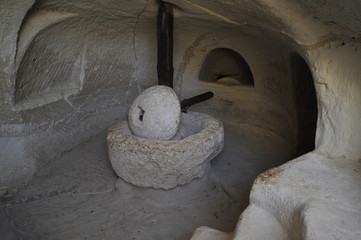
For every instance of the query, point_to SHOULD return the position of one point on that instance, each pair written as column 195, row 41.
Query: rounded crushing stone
column 166, row 164
column 155, row 113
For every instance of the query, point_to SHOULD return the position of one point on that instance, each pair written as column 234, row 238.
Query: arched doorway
column 305, row 104
column 225, row 66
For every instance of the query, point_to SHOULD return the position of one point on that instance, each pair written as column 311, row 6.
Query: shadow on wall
column 305, row 103
column 225, row 66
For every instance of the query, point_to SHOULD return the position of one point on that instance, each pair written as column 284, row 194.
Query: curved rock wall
column 69, row 69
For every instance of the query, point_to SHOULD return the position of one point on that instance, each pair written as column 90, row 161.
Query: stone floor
column 78, row 196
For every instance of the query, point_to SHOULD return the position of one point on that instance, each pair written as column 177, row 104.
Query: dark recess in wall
column 306, row 104
column 225, row 66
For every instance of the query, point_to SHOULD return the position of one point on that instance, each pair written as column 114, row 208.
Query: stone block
column 166, row 164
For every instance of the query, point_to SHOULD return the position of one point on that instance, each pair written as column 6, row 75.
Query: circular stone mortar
column 155, row 113
column 166, row 164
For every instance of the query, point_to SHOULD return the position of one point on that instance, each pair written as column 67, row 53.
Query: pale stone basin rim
column 166, row 164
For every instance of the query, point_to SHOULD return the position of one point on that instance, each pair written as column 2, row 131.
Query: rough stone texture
column 70, row 68
column 323, row 202
column 335, row 69
column 166, row 164
column 155, row 113
column 109, row 47
column 206, row 233
column 49, row 82
column 15, row 166
column 66, row 200
column 11, row 17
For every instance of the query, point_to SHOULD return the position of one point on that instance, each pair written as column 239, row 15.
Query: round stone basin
column 166, row 164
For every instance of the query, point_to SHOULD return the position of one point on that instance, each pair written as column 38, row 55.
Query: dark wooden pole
column 186, row 103
column 165, row 54
column 165, row 44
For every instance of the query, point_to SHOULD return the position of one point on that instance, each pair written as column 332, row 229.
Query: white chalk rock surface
column 155, row 113
column 313, row 197
column 166, row 164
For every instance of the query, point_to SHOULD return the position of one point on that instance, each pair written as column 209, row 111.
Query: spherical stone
column 155, row 113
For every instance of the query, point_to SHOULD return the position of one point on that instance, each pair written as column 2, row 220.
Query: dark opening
column 141, row 113
column 306, row 104
column 225, row 66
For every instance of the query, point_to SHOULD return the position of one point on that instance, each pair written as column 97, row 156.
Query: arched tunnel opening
column 77, row 67
column 226, row 66
column 306, row 104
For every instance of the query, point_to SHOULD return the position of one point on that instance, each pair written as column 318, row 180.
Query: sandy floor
column 78, row 196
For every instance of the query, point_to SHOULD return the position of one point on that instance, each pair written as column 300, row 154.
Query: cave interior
column 287, row 86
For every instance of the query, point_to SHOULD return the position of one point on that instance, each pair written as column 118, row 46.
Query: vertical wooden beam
column 165, row 44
